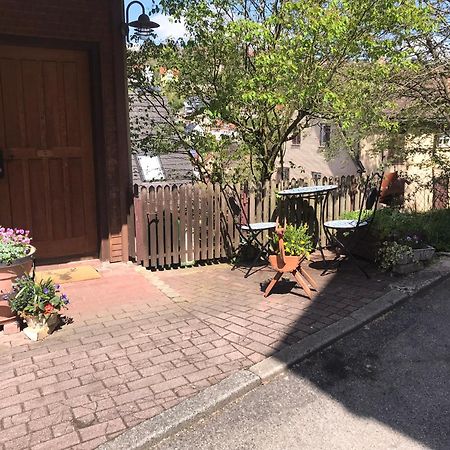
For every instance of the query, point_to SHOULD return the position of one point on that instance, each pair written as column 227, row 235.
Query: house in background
column 173, row 166
column 64, row 163
column 426, row 186
column 305, row 156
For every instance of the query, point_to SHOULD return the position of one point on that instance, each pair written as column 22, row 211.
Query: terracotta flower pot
column 19, row 267
column 8, row 273
column 289, row 264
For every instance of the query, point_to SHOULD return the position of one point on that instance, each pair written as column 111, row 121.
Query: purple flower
column 65, row 299
column 45, row 291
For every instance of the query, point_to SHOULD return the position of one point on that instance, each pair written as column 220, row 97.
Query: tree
column 267, row 68
column 423, row 90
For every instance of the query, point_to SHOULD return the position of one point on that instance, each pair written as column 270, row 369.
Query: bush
column 412, row 229
column 354, row 215
column 391, row 253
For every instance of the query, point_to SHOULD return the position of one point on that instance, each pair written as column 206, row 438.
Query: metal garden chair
column 250, row 233
column 355, row 230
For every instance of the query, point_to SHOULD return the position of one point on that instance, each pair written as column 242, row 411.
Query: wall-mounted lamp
column 143, row 25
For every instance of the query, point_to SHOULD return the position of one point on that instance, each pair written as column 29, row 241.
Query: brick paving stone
column 62, row 442
column 132, row 352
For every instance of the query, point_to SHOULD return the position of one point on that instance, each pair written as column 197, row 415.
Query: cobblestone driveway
column 140, row 342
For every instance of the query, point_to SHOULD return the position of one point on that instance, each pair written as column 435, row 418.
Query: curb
column 169, row 422
column 186, row 413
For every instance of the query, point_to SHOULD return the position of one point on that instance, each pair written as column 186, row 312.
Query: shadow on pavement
column 395, row 370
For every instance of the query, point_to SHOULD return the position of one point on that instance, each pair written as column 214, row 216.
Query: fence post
column 189, row 208
column 196, row 223
column 153, row 226
column 175, row 211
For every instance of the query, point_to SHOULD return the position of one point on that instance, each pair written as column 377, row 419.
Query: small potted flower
column 39, row 304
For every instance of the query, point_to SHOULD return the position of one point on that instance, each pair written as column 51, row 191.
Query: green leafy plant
column 14, row 244
column 354, row 215
column 415, row 229
column 392, row 253
column 297, row 241
column 37, row 299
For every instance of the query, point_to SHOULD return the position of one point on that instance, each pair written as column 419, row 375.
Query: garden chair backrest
column 239, row 216
column 370, row 197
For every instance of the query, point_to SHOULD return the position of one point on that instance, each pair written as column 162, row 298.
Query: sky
column 168, row 28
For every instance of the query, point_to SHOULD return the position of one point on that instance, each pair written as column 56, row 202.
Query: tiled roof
column 176, row 164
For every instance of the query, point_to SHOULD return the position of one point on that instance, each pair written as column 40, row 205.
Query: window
column 282, row 173
column 325, row 135
column 444, row 141
column 296, row 140
column 316, row 176
column 150, row 168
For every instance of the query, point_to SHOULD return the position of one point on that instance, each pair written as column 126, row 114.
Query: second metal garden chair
column 355, row 229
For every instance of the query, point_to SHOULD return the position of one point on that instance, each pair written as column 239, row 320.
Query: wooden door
column 48, row 183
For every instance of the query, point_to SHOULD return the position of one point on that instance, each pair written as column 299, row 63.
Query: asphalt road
column 385, row 386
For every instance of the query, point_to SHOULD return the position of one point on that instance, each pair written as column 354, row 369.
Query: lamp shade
column 143, row 25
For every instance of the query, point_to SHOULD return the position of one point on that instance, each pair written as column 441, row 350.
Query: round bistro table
column 319, row 194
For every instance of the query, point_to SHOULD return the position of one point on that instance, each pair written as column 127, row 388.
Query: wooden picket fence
column 179, row 225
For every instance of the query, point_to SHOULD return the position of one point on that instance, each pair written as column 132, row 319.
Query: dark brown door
column 48, row 183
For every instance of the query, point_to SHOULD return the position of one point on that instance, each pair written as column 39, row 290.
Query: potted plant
column 294, row 245
column 298, row 244
column 16, row 259
column 16, row 256
column 39, row 304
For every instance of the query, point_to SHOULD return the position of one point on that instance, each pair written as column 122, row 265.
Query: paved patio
column 140, row 342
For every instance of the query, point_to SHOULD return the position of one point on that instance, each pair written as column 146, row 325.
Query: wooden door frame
column 98, row 138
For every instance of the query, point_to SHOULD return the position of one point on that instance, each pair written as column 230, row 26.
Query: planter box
column 419, row 254
column 289, row 264
column 424, row 254
column 363, row 244
column 413, row 263
column 404, row 269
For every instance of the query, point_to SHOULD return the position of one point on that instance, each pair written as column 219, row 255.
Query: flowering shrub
column 413, row 240
column 392, row 253
column 42, row 299
column 14, row 244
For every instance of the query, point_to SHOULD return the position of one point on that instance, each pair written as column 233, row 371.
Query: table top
column 309, row 190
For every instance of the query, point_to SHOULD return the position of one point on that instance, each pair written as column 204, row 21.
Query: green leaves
column 38, row 299
column 297, row 241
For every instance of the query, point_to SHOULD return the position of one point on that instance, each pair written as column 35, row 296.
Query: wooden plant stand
column 289, row 264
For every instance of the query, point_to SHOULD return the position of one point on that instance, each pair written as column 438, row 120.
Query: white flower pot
column 39, row 328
